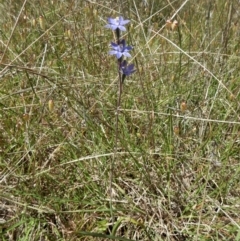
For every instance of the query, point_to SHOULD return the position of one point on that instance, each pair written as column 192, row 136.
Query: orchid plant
column 121, row 51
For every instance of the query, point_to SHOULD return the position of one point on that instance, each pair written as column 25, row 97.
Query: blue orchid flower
column 117, row 23
column 120, row 49
column 126, row 69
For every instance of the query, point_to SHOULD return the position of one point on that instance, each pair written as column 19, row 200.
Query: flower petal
column 126, row 54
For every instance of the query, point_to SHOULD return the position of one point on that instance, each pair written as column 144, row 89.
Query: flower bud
column 50, row 105
column 42, row 22
column 34, row 22
column 183, row 106
column 174, row 25
column 25, row 117
column 176, row 130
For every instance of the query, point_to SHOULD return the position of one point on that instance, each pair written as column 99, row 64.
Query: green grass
column 175, row 172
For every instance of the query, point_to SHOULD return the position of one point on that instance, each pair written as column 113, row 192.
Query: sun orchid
column 117, row 23
column 127, row 69
column 120, row 49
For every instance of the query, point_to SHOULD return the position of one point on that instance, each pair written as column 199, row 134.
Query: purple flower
column 126, row 69
column 117, row 23
column 120, row 49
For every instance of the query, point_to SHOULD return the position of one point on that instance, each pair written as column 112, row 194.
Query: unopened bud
column 69, row 34
column 42, row 22
column 183, row 106
column 50, row 105
column 34, row 22
column 168, row 24
column 25, row 117
column 176, row 130
column 174, row 25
